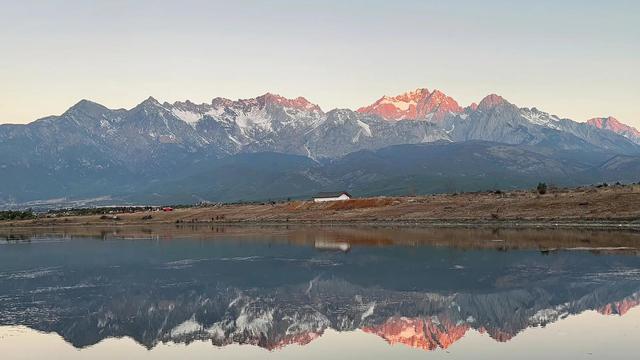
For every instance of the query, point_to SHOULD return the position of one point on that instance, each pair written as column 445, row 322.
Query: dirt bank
column 614, row 206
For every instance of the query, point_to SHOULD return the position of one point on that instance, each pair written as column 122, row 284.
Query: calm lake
column 318, row 293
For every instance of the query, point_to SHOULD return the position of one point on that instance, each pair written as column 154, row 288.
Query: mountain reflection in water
column 272, row 286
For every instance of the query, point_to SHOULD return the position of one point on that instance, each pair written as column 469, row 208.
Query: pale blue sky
column 578, row 59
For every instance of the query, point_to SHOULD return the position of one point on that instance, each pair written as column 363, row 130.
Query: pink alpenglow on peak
column 612, row 124
column 420, row 104
column 419, row 333
column 491, row 101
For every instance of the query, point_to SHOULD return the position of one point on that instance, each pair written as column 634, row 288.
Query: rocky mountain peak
column 219, row 102
column 85, row 104
column 610, row 123
column 420, row 104
column 86, row 108
column 420, row 333
column 491, row 101
column 613, row 124
column 299, row 103
column 150, row 102
column 415, row 95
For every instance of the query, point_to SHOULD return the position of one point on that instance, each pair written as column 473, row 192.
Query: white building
column 331, row 196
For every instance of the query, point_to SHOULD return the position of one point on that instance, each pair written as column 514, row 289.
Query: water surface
column 318, row 292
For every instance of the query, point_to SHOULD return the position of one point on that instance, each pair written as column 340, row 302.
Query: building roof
column 331, row 194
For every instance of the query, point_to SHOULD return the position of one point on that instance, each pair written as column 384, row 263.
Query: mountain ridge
column 90, row 147
column 406, row 97
column 614, row 125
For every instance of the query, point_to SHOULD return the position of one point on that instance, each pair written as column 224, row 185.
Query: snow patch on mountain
column 365, row 127
column 400, row 105
column 216, row 331
column 215, row 111
column 253, row 118
column 541, row 118
column 369, row 311
column 232, row 138
column 189, row 117
column 254, row 323
column 549, row 315
column 188, row 327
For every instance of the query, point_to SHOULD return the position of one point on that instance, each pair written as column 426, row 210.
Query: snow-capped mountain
column 421, row 104
column 296, row 126
column 611, row 123
column 91, row 147
column 496, row 119
column 252, row 123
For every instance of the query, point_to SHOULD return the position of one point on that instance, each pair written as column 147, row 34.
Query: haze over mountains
column 271, row 147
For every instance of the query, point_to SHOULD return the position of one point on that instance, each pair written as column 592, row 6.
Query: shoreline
column 613, row 207
column 633, row 225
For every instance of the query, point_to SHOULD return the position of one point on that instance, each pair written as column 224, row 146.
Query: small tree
column 542, row 188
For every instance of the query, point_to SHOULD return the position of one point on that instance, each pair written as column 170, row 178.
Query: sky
column 576, row 59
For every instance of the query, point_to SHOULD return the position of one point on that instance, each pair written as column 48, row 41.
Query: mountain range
column 272, row 147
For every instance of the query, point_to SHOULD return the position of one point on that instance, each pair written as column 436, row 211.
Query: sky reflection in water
column 291, row 292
